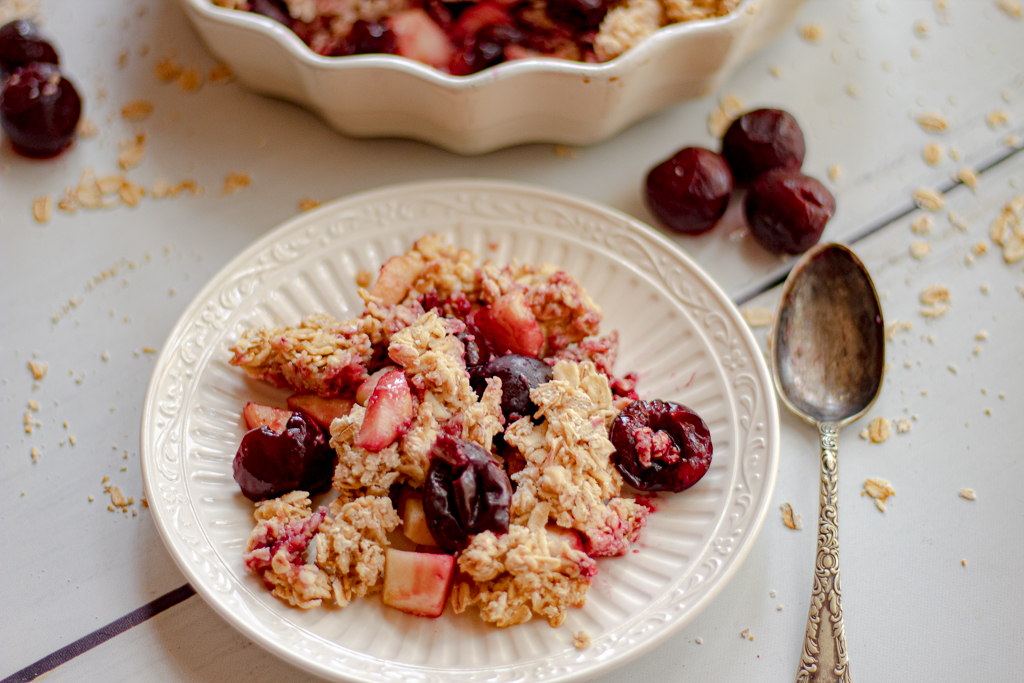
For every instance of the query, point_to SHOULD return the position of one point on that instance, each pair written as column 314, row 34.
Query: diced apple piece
column 365, row 389
column 257, row 416
column 558, row 535
column 322, row 410
column 396, row 278
column 388, row 412
column 510, row 326
column 418, row 37
column 414, row 521
column 417, row 583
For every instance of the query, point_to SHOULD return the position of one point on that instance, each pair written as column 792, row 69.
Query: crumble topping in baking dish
column 472, row 407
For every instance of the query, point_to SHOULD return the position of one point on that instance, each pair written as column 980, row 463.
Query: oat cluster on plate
column 505, row 496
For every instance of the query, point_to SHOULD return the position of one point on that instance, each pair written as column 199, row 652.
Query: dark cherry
column 274, row 9
column 442, row 12
column 368, row 38
column 660, row 446
column 518, row 375
column 269, row 464
column 466, row 492
column 762, row 140
column 787, row 211
column 582, row 15
column 473, row 354
column 39, row 110
column 690, row 191
column 21, row 44
column 485, row 48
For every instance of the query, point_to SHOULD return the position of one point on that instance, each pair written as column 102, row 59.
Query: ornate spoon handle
column 824, row 654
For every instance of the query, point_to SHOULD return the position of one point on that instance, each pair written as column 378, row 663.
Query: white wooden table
column 932, row 587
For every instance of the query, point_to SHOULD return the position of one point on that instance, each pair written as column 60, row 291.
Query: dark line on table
column 904, row 210
column 101, row 635
column 182, row 593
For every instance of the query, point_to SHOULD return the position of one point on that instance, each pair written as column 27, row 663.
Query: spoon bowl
column 828, row 358
column 829, row 341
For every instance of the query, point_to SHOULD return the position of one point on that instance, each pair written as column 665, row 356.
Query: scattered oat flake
column 775, row 71
column 698, row 640
column 42, row 208
column 757, row 316
column 234, row 182
column 71, row 439
column 982, row 335
column 131, row 193
column 958, row 221
column 38, row 369
column 897, row 326
column 220, row 75
column 852, row 90
column 745, row 634
column 880, row 490
column 35, row 454
column 979, row 248
column 928, row 199
column 33, row 405
column 952, row 368
column 364, row 278
column 581, row 640
column 1012, row 140
column 812, row 33
column 921, row 28
column 719, row 119
column 308, row 204
column 919, row 249
column 167, row 70
column 190, row 80
column 117, row 498
column 87, row 128
column 968, row 494
column 137, row 110
column 968, row 176
column 934, row 294
column 789, row 519
column 834, row 172
column 879, row 430
column 1012, row 8
column 932, row 153
column 902, row 425
column 923, row 224
column 996, row 118
column 932, row 121
column 566, row 151
column 935, row 310
column 132, row 153
column 148, row 349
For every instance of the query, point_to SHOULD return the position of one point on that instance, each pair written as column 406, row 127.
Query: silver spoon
column 828, row 357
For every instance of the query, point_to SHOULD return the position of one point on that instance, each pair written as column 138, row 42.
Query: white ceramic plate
column 678, row 330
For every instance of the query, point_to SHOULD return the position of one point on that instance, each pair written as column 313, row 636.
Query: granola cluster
column 417, row 324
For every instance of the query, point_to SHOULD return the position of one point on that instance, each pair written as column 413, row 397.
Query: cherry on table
column 787, row 211
column 39, row 110
column 690, row 191
column 21, row 44
column 760, row 141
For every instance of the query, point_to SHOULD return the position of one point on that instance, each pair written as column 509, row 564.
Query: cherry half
column 39, row 110
column 660, row 446
column 21, row 44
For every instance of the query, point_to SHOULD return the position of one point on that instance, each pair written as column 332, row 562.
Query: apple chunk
column 558, row 535
column 414, row 520
column 510, row 326
column 397, row 275
column 417, row 583
column 323, row 410
column 418, row 37
column 257, row 416
column 388, row 412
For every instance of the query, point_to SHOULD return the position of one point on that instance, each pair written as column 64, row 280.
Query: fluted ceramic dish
column 528, row 100
column 677, row 328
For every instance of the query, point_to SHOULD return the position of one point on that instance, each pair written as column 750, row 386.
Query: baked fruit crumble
column 462, row 38
column 472, row 407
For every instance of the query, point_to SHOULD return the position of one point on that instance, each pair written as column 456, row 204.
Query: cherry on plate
column 269, row 464
column 518, row 375
column 39, row 110
column 21, row 44
column 582, row 15
column 787, row 211
column 660, row 446
column 368, row 38
column 690, row 191
column 762, row 140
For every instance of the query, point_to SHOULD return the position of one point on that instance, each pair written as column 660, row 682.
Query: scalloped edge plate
column 675, row 322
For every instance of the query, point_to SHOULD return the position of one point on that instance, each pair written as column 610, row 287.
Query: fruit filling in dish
column 465, row 37
column 474, row 438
